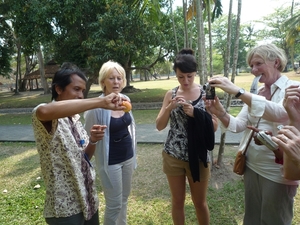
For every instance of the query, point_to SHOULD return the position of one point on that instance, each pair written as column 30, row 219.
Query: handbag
column 240, row 159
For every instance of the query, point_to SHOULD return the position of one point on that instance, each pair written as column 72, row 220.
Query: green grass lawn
column 149, row 202
column 145, row 116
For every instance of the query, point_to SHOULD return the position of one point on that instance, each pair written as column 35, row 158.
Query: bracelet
column 223, row 114
column 92, row 143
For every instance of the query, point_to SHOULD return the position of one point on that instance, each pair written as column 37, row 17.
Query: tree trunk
column 174, row 27
column 226, row 73
column 210, row 40
column 18, row 72
column 23, row 83
column 42, row 71
column 201, row 39
column 236, row 43
column 292, row 47
column 184, row 11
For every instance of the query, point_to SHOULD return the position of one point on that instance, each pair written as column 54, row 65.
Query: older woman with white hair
column 269, row 197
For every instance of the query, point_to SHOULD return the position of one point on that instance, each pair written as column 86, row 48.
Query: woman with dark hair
column 190, row 137
column 65, row 149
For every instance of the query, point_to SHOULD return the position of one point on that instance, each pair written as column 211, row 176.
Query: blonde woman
column 116, row 153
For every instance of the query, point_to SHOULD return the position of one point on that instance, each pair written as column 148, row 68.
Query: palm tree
column 174, row 27
column 292, row 28
column 227, row 97
column 193, row 11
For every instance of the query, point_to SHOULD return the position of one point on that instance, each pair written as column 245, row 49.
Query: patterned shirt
column 177, row 142
column 68, row 176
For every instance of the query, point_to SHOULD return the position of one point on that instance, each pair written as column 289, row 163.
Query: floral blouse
column 68, row 175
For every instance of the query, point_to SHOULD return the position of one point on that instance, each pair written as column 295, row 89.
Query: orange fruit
column 127, row 105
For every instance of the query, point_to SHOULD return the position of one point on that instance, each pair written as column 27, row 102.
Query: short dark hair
column 185, row 61
column 62, row 77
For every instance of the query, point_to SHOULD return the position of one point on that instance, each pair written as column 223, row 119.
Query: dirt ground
column 221, row 174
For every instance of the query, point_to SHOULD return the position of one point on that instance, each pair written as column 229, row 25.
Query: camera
column 266, row 140
column 210, row 91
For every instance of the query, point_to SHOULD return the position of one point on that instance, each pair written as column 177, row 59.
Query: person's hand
column 256, row 130
column 291, row 103
column 288, row 140
column 97, row 132
column 188, row 108
column 214, row 106
column 225, row 84
column 173, row 103
column 114, row 101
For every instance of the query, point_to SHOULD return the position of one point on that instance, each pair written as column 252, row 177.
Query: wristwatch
column 241, row 91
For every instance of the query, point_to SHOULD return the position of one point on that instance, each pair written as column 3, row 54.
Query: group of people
column 66, row 146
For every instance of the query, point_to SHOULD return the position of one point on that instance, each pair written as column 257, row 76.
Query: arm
column 163, row 116
column 60, row 109
column 215, row 122
column 226, row 85
column 288, row 137
column 96, row 134
column 288, row 140
column 258, row 105
column 292, row 105
column 215, row 108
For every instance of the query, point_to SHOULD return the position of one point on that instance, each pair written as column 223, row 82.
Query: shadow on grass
column 24, row 166
column 18, row 158
column 150, row 190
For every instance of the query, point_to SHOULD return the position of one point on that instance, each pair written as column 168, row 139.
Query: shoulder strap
column 271, row 99
column 250, row 137
column 174, row 91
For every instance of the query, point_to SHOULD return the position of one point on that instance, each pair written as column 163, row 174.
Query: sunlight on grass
column 15, row 119
column 19, row 169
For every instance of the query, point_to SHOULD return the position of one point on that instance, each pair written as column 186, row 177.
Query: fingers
column 292, row 93
column 188, row 109
column 256, row 141
column 97, row 132
column 114, row 101
column 253, row 128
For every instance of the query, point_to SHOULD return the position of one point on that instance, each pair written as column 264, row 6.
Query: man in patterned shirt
column 65, row 149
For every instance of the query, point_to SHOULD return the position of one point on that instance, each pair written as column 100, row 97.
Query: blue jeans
column 77, row 219
column 116, row 198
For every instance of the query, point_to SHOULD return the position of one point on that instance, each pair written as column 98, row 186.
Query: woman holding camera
column 190, row 137
column 269, row 197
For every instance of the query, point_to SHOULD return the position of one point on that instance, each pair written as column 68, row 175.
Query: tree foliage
column 123, row 35
column 6, row 41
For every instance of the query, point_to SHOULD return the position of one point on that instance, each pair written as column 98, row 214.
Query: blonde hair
column 269, row 52
column 106, row 70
